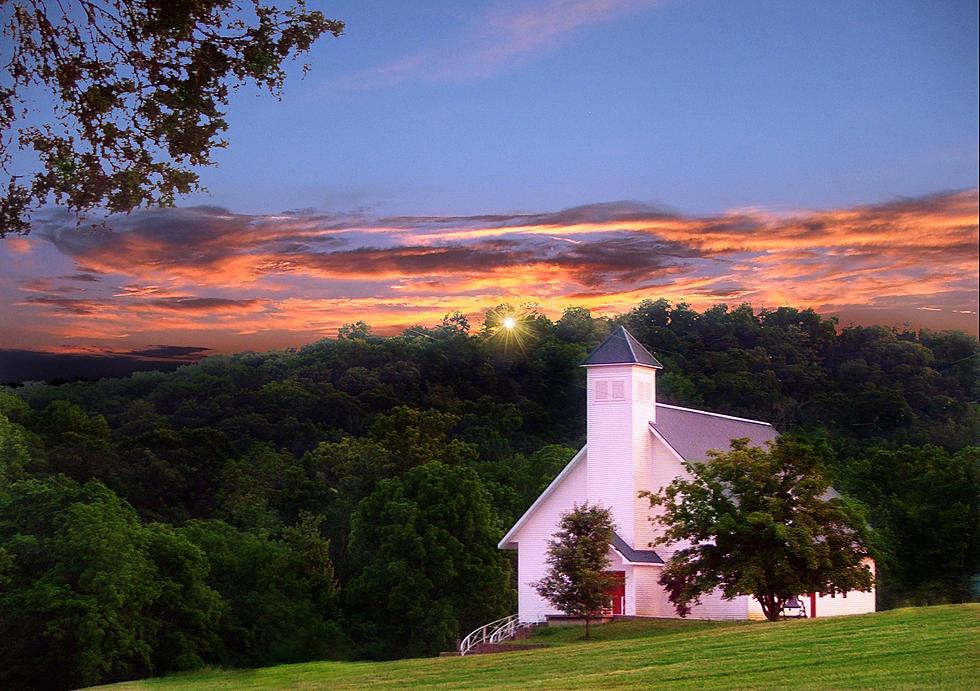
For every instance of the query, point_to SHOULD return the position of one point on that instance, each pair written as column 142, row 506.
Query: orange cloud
column 19, row 245
column 286, row 279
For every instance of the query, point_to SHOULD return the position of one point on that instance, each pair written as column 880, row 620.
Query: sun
column 509, row 327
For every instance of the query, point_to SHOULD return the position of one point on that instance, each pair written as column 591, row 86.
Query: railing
column 494, row 632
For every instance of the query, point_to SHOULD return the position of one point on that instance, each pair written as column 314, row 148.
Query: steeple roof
column 620, row 348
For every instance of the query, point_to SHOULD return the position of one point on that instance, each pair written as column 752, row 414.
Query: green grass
column 907, row 648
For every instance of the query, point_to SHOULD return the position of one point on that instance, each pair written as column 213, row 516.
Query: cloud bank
column 256, row 281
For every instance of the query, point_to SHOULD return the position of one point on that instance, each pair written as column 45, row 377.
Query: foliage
column 279, row 595
column 577, row 582
column 15, row 454
column 89, row 594
column 251, row 447
column 758, row 522
column 137, row 93
column 925, row 500
column 428, row 566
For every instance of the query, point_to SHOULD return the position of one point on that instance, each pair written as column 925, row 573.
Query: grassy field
column 907, row 648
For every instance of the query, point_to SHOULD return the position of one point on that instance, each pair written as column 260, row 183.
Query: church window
column 618, row 389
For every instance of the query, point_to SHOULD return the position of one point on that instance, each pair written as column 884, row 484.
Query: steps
column 489, row 648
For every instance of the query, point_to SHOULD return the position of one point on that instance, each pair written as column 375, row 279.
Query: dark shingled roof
column 620, row 348
column 637, row 556
column 692, row 433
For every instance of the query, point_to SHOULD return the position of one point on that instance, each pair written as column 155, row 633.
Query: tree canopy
column 759, row 522
column 89, row 594
column 577, row 582
column 119, row 100
column 429, row 570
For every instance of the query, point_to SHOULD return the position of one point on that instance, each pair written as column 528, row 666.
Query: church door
column 617, row 592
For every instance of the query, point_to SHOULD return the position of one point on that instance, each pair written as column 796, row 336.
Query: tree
column 577, row 582
column 455, row 323
column 756, row 522
column 922, row 500
column 577, row 326
column 135, row 91
column 278, row 592
column 424, row 548
column 88, row 594
column 15, row 453
column 357, row 331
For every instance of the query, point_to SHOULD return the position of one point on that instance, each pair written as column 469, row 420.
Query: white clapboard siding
column 533, row 535
column 617, row 423
column 838, row 604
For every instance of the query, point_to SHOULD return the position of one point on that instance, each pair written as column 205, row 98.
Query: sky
column 445, row 156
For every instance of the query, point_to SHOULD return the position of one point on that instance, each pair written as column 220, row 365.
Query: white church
column 634, row 444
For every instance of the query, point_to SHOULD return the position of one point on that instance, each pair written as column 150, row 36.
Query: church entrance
column 616, row 593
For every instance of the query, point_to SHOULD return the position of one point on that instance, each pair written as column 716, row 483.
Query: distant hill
column 19, row 366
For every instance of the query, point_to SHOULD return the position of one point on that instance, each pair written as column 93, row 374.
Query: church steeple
column 621, row 404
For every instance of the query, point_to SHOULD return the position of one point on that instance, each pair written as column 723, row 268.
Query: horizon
column 20, row 367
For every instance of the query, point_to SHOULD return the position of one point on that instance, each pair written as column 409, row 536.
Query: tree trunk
column 770, row 607
column 587, row 626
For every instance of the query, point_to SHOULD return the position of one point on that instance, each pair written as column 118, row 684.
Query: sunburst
column 509, row 326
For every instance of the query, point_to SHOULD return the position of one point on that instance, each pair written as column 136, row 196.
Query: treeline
column 344, row 500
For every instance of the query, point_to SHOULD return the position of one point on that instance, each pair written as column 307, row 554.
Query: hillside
column 262, row 509
column 906, row 648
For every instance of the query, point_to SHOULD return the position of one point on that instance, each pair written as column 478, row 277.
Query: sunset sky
column 448, row 156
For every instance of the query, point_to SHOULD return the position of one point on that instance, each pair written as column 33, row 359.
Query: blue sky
column 461, row 108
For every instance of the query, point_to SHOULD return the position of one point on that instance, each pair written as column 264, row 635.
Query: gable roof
column 692, row 433
column 620, row 348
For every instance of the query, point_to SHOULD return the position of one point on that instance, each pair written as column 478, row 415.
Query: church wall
column 838, row 604
column 651, row 600
column 661, row 469
column 533, row 540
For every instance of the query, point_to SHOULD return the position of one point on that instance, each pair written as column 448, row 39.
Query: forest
column 343, row 500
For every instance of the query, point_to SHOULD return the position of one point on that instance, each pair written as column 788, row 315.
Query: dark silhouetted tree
column 120, row 99
column 424, row 548
column 88, row 594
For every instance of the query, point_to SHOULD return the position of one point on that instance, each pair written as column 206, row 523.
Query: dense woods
column 344, row 500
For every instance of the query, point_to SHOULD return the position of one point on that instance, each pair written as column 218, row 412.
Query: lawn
column 907, row 648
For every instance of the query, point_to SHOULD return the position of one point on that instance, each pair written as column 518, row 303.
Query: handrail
column 494, row 632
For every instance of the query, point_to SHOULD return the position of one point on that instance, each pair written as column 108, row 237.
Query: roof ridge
column 721, row 415
column 629, row 343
